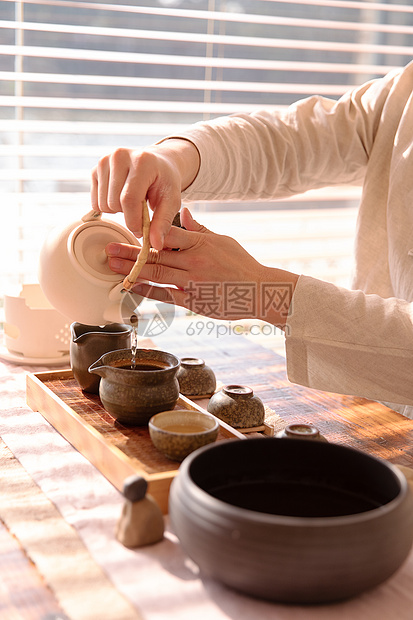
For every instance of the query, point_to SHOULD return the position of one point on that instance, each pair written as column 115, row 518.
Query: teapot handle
column 130, row 280
column 92, row 216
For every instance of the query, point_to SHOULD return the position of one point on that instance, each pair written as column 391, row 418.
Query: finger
column 118, row 173
column 135, row 186
column 132, row 199
column 162, row 220
column 185, row 239
column 122, row 258
column 163, row 294
column 94, row 190
column 188, row 222
column 122, row 250
column 100, row 179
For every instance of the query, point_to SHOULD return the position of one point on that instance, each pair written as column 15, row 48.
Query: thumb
column 188, row 222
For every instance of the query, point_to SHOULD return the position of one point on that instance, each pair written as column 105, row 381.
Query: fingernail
column 160, row 245
column 113, row 250
column 116, row 263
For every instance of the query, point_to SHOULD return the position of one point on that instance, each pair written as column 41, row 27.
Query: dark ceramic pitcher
column 88, row 343
column 133, row 391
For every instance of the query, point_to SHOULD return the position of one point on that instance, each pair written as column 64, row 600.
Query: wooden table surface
column 356, row 422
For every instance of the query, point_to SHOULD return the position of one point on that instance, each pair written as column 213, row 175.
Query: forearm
column 185, row 156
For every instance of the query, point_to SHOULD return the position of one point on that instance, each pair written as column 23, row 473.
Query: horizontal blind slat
column 92, row 127
column 188, row 85
column 174, row 107
column 351, row 4
column 124, row 81
column 136, row 57
column 339, row 192
column 248, row 18
column 53, row 150
column 200, row 14
column 233, row 40
column 364, row 5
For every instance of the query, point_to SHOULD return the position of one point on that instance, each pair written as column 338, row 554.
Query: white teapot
column 75, row 276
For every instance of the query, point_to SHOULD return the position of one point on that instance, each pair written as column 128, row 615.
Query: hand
column 210, row 274
column 123, row 180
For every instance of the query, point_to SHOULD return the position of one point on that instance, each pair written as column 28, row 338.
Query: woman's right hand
column 122, row 180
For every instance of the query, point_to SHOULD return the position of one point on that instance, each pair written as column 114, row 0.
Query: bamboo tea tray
column 115, row 450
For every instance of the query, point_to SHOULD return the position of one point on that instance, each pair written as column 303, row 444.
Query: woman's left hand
column 211, row 274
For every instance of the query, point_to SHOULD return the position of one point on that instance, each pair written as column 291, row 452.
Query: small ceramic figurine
column 141, row 522
column 238, row 406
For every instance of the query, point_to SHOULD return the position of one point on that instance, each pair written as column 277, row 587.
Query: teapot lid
column 86, row 246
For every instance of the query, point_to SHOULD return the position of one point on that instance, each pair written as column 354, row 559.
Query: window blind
column 79, row 78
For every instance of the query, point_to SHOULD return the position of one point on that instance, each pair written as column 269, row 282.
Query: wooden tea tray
column 115, row 450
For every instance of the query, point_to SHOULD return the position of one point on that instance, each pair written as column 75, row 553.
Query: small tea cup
column 238, row 406
column 179, row 432
column 195, row 378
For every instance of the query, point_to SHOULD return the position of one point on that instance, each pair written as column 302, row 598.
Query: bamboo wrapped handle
column 130, row 280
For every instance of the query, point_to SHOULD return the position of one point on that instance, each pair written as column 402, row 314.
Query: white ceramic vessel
column 34, row 332
column 75, row 276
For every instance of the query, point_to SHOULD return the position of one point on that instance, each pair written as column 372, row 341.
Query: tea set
column 75, row 277
column 224, row 502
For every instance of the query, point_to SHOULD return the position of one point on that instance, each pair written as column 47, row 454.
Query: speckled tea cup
column 195, row 378
column 301, row 431
column 237, row 406
column 179, row 432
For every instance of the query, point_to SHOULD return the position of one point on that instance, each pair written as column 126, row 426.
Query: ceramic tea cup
column 301, row 431
column 179, row 432
column 238, row 406
column 88, row 343
column 132, row 392
column 196, row 379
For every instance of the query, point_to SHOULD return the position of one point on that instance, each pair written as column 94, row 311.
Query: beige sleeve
column 317, row 142
column 348, row 342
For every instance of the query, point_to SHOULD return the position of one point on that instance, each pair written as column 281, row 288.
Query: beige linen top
column 359, row 341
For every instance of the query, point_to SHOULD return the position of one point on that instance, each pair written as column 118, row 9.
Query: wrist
column 185, row 156
column 276, row 292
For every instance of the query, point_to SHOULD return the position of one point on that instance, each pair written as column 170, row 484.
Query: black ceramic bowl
column 292, row 521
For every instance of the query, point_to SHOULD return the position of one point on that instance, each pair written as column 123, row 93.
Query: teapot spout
column 123, row 305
